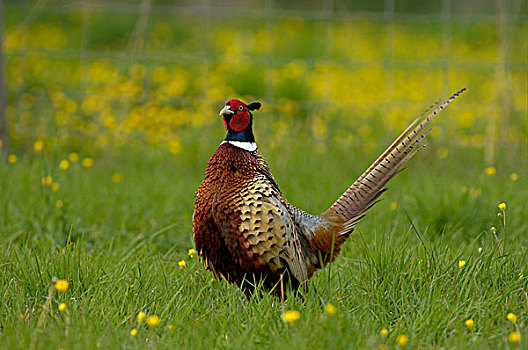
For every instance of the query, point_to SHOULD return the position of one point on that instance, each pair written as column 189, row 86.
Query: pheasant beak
column 226, row 110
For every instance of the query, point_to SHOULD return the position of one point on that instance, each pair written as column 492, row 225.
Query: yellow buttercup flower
column 38, row 146
column 153, row 320
column 133, row 332
column 461, row 263
column 141, row 316
column 12, row 158
column 291, row 316
column 117, row 178
column 62, row 307
column 394, row 206
column 64, row 164
column 59, row 203
column 514, row 176
column 182, row 264
column 502, row 206
column 87, row 162
column 170, row 327
column 55, row 187
column 511, row 317
column 402, row 340
column 521, row 275
column 61, row 285
column 490, row 171
column 469, row 323
column 384, row 332
column 192, row 252
column 47, row 180
column 514, row 337
column 74, row 157
column 330, row 309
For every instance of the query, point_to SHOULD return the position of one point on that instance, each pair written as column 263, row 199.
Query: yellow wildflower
column 61, row 285
column 87, row 162
column 74, row 157
column 59, row 203
column 291, row 316
column 192, row 252
column 502, row 206
column 469, row 323
column 141, row 316
column 153, row 320
column 402, row 340
column 521, row 275
column 490, row 171
column 12, row 158
column 394, row 206
column 55, row 187
column 64, row 164
column 384, row 332
column 330, row 309
column 117, row 178
column 511, row 317
column 133, row 332
column 62, row 307
column 38, row 146
column 514, row 176
column 47, row 180
column 182, row 264
column 514, row 337
column 170, row 327
column 461, row 263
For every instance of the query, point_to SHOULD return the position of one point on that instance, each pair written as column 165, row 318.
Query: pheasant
column 247, row 233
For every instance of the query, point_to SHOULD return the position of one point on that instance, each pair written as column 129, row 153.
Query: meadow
column 113, row 115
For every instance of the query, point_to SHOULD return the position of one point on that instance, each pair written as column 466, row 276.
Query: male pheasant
column 247, row 233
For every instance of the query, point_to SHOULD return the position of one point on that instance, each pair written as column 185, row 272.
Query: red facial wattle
column 241, row 117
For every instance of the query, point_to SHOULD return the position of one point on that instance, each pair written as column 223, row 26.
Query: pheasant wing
column 260, row 233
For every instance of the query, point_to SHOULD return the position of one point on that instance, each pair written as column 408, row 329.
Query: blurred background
column 135, row 87
column 100, row 75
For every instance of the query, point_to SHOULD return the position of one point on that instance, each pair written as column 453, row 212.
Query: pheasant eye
column 240, row 108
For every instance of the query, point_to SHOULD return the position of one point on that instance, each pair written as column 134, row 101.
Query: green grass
column 118, row 245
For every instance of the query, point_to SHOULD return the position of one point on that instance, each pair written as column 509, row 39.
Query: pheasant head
column 238, row 121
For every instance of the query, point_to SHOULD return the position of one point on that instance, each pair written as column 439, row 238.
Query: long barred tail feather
column 365, row 191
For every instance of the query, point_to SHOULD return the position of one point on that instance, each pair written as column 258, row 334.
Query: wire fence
column 505, row 22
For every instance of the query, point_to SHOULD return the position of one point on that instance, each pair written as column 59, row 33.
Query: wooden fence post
column 4, row 136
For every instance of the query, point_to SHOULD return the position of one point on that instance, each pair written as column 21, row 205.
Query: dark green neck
column 245, row 135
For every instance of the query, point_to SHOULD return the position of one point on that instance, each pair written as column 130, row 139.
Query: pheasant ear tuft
column 254, row 105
